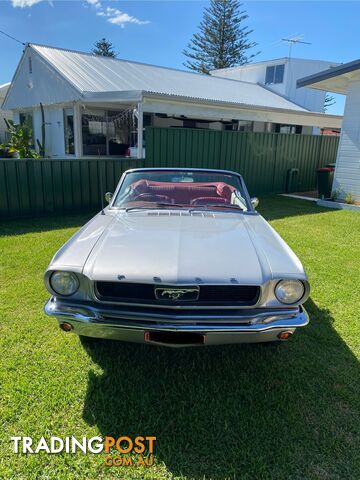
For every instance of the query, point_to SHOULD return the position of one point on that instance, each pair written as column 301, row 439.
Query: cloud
column 115, row 16
column 122, row 18
column 24, row 3
column 112, row 15
column 95, row 3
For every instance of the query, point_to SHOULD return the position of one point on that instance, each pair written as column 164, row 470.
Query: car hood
column 181, row 248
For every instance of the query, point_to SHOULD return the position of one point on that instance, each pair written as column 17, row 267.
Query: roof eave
column 313, row 80
column 237, row 105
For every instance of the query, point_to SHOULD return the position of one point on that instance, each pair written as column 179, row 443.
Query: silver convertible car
column 179, row 257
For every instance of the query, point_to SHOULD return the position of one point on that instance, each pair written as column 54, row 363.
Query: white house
column 90, row 105
column 4, row 113
column 344, row 79
column 280, row 75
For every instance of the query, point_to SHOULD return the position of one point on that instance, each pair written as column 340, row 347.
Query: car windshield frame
column 243, row 197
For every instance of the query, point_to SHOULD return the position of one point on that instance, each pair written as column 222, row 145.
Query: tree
column 222, row 40
column 104, row 48
column 329, row 100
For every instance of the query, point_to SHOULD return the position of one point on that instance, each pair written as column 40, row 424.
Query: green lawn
column 236, row 412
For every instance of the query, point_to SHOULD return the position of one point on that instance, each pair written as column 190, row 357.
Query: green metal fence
column 262, row 158
column 42, row 186
column 45, row 186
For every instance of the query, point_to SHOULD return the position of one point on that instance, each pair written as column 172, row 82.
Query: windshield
column 181, row 189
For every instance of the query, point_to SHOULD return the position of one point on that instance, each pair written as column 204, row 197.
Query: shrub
column 20, row 140
column 349, row 198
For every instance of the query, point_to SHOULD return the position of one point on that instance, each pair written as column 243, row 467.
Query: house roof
column 94, row 75
column 335, row 79
column 273, row 61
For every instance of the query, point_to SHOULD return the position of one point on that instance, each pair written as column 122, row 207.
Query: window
column 107, row 132
column 69, row 131
column 94, row 132
column 280, row 128
column 275, row 74
column 26, row 118
column 245, row 126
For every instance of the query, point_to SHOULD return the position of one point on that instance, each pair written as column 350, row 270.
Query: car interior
column 197, row 193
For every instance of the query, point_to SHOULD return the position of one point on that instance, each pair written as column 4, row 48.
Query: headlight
column 64, row 283
column 289, row 291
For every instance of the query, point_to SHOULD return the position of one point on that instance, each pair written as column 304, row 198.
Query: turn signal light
column 285, row 335
column 66, row 327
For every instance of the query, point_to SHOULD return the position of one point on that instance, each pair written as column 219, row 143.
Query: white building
column 280, row 76
column 96, row 105
column 4, row 113
column 344, row 79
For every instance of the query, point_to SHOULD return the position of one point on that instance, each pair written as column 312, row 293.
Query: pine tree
column 222, row 41
column 104, row 48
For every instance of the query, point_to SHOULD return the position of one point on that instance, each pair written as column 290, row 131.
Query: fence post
column 275, row 157
column 320, row 141
column 221, row 142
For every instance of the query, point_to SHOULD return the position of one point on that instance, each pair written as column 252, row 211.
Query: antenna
column 101, row 185
column 293, row 41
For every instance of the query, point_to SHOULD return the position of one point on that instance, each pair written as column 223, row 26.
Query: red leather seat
column 151, row 197
column 208, row 200
column 184, row 193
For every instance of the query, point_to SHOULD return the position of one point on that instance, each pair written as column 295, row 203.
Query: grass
column 235, row 412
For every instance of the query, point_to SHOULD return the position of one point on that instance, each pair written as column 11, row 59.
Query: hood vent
column 178, row 213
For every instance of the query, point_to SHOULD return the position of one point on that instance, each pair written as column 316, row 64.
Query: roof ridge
column 203, row 75
column 117, row 59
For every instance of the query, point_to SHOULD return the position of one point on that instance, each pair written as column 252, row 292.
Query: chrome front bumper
column 134, row 325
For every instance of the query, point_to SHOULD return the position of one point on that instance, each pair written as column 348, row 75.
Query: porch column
column 140, row 130
column 77, row 130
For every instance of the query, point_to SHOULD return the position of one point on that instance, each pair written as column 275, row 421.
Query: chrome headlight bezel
column 298, row 293
column 72, row 285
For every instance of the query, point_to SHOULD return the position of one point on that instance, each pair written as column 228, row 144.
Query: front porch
column 116, row 128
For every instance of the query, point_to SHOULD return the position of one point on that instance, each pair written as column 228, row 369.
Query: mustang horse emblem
column 175, row 294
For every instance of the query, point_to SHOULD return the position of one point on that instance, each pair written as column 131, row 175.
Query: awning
column 335, row 79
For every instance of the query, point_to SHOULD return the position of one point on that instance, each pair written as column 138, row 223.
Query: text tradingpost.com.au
column 119, row 451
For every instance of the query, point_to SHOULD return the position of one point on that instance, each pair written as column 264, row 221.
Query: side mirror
column 254, row 202
column 108, row 196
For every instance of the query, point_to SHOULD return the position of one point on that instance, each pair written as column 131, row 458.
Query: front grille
column 137, row 293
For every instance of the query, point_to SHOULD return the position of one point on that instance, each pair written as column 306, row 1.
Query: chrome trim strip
column 92, row 317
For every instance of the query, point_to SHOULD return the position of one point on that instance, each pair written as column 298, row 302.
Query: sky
column 157, row 31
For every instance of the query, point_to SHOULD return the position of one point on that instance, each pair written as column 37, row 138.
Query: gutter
column 243, row 106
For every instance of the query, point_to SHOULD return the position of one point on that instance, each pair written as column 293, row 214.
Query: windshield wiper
column 139, row 207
